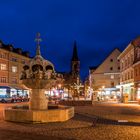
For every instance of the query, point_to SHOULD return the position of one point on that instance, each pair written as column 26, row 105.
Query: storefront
column 58, row 93
column 109, row 94
column 128, row 89
column 5, row 91
column 10, row 91
column 137, row 86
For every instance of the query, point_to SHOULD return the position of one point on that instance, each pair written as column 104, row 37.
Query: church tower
column 75, row 64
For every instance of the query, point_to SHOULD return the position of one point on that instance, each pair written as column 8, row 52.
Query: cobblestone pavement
column 81, row 127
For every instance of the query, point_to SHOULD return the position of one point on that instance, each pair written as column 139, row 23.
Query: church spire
column 75, row 54
column 38, row 40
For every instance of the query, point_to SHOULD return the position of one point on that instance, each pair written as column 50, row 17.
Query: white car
column 6, row 100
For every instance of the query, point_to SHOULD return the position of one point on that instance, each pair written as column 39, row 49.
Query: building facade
column 104, row 79
column 136, row 67
column 12, row 61
column 127, row 76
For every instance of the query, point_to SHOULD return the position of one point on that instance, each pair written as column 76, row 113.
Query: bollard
column 94, row 122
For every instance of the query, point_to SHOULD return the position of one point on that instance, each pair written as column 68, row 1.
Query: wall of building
column 11, row 66
column 107, row 75
column 4, row 65
column 137, row 72
column 127, row 72
column 108, row 72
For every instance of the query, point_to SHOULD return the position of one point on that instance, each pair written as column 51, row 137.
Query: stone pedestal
column 38, row 100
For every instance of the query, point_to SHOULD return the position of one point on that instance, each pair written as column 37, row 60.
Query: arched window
column 49, row 67
column 26, row 67
column 37, row 67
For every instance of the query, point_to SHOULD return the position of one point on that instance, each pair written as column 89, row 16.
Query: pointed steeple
column 75, row 54
column 38, row 40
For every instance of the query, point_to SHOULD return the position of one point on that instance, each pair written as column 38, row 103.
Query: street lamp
column 59, row 88
column 102, row 92
column 59, row 85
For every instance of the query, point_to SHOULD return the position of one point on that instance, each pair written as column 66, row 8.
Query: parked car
column 7, row 100
column 14, row 99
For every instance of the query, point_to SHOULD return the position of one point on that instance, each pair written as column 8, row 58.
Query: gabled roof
column 115, row 49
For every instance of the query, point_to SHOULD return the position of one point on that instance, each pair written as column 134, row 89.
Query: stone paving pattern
column 80, row 127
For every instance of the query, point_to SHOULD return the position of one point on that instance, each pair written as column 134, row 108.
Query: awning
column 5, row 87
column 20, row 87
column 8, row 88
column 110, row 89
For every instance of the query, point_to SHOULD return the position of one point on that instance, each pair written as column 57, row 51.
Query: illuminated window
column 14, row 68
column 112, row 76
column 3, row 67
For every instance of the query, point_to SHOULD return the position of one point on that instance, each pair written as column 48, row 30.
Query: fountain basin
column 57, row 113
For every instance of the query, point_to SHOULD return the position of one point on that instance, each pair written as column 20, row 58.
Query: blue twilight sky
column 98, row 26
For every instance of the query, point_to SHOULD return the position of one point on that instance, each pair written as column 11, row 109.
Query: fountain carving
column 39, row 75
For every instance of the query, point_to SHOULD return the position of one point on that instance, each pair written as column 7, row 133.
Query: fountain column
column 38, row 100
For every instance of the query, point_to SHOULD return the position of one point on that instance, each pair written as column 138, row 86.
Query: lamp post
column 102, row 92
column 59, row 88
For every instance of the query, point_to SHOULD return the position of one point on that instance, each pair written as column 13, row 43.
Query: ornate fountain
column 37, row 76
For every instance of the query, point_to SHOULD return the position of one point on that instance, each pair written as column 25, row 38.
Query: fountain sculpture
column 37, row 76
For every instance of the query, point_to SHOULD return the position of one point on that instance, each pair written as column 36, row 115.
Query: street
column 81, row 126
